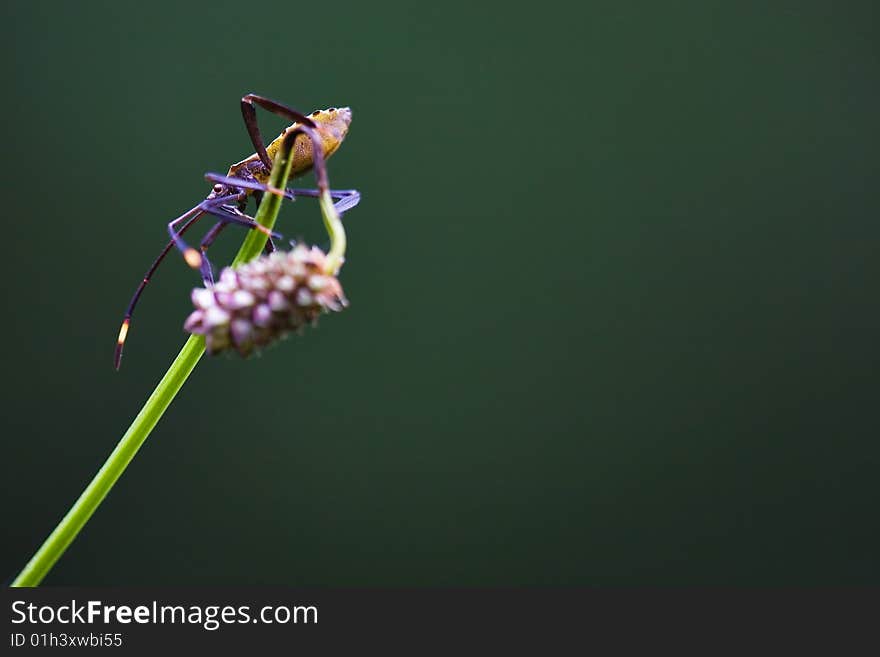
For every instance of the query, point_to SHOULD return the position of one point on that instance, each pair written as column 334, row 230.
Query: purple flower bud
column 264, row 300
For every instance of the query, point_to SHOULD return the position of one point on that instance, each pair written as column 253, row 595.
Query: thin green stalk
column 61, row 538
column 333, row 224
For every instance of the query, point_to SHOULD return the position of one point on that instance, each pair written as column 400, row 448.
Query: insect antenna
column 126, row 322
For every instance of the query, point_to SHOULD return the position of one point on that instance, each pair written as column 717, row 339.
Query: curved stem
column 333, row 224
column 54, row 546
column 75, row 519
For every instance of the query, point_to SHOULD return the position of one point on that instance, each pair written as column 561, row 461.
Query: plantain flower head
column 264, row 300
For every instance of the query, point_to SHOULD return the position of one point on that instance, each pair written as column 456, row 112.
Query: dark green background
column 614, row 280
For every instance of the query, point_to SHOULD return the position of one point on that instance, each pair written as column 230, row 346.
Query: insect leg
column 249, row 113
column 347, row 198
column 192, row 257
column 207, row 270
column 258, row 197
column 215, row 206
column 248, row 184
column 229, row 216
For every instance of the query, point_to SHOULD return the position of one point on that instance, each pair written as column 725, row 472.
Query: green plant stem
column 333, row 224
column 75, row 519
column 54, row 546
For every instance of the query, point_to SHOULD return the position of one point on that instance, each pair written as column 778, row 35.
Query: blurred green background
column 614, row 313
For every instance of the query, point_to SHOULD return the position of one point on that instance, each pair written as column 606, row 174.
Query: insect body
column 331, row 124
column 315, row 137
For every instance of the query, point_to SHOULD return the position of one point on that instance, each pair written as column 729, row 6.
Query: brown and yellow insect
column 316, row 137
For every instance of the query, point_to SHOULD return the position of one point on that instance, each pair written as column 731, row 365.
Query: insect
column 315, row 136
